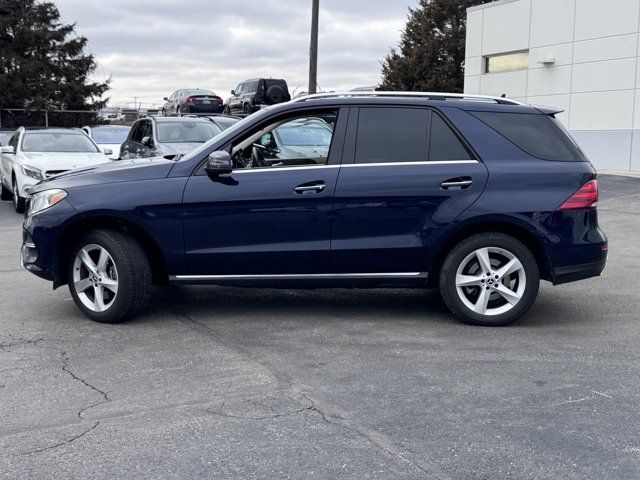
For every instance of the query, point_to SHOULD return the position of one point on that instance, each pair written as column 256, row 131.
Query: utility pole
column 313, row 50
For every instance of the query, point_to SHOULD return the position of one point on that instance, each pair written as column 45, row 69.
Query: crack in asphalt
column 6, row 346
column 65, row 368
column 65, row 442
column 375, row 438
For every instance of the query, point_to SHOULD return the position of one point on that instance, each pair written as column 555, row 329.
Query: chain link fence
column 20, row 117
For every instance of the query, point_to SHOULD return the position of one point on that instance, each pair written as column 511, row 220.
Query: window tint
column 300, row 141
column 392, row 135
column 444, row 144
column 136, row 136
column 145, row 129
column 536, row 134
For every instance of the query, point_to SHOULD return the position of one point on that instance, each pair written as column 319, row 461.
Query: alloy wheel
column 95, row 278
column 490, row 281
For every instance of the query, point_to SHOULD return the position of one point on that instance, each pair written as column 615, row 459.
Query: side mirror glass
column 107, row 151
column 165, row 99
column 219, row 163
column 7, row 149
column 233, row 92
column 146, row 141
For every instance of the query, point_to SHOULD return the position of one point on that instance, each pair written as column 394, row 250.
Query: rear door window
column 445, row 144
column 536, row 134
column 388, row 135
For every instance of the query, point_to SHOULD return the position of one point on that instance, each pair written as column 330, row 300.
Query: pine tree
column 431, row 53
column 42, row 63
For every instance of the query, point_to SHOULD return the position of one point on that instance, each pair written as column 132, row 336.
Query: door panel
column 255, row 222
column 386, row 216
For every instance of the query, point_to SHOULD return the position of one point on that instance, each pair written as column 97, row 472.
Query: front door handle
column 457, row 183
column 315, row 187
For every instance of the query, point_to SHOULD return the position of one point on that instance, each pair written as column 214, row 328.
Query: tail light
column 585, row 198
column 219, row 100
column 190, row 100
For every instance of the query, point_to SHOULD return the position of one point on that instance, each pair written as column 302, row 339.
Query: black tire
column 461, row 252
column 6, row 193
column 226, row 110
column 275, row 94
column 178, row 111
column 18, row 201
column 133, row 275
column 246, row 109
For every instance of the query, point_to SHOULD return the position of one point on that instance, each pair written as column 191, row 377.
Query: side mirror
column 7, row 149
column 233, row 92
column 107, row 151
column 165, row 99
column 146, row 141
column 219, row 163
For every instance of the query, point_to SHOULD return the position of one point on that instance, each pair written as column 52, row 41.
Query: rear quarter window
column 536, row 134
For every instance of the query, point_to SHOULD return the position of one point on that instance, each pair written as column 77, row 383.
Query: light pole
column 313, row 49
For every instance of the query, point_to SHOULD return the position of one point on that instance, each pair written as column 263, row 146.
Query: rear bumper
column 197, row 108
column 574, row 273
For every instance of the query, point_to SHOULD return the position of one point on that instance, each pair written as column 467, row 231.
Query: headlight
column 46, row 199
column 32, row 172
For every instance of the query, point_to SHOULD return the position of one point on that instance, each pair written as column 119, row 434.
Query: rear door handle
column 461, row 183
column 315, row 187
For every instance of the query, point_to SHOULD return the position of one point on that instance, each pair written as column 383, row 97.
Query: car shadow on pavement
column 313, row 305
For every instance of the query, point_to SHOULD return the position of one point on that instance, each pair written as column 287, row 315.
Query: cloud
column 152, row 47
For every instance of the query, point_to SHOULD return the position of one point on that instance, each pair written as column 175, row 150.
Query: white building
column 579, row 55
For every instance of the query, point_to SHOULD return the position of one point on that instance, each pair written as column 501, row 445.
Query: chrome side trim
column 394, row 164
column 352, row 165
column 301, row 168
column 311, row 276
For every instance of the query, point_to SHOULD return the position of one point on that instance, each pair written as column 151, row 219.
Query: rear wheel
column 109, row 276
column 246, row 109
column 18, row 201
column 178, row 111
column 489, row 279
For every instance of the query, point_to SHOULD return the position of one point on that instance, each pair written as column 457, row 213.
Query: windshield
column 187, row 132
column 57, row 142
column 304, row 136
column 109, row 134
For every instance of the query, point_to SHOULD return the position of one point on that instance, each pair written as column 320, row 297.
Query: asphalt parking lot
column 232, row 383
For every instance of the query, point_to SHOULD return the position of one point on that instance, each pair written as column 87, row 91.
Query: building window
column 508, row 62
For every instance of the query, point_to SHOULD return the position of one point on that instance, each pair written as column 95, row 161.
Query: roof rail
column 427, row 95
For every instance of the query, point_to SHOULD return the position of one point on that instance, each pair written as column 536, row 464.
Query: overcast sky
column 153, row 47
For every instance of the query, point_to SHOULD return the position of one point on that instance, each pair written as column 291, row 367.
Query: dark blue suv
column 479, row 196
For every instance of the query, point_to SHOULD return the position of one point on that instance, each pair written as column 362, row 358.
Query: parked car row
column 248, row 97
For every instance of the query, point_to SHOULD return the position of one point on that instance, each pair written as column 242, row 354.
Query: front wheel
column 489, row 279
column 109, row 276
column 18, row 201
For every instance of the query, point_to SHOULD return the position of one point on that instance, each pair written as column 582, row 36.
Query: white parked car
column 108, row 137
column 34, row 154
